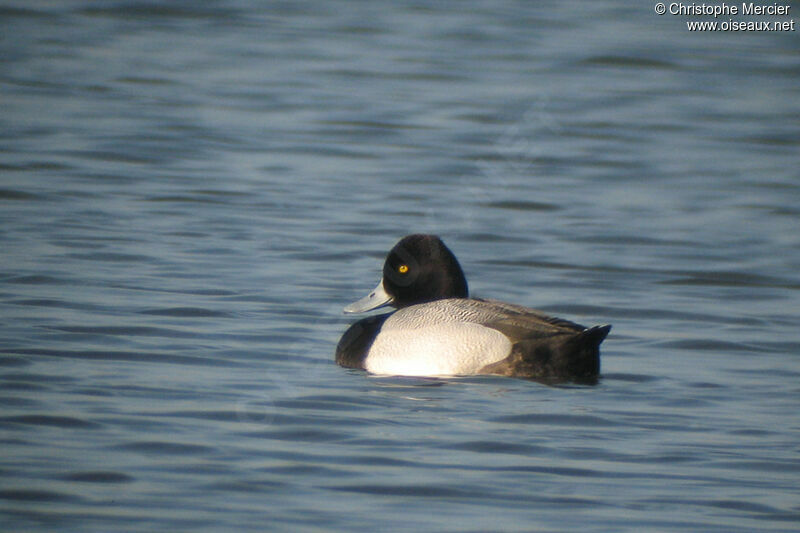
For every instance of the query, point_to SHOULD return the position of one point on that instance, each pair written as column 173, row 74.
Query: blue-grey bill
column 377, row 298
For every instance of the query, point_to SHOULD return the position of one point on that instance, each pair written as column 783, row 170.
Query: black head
column 419, row 269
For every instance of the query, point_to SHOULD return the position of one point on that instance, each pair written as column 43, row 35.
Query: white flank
column 446, row 349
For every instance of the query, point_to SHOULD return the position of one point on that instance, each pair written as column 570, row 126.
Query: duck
column 437, row 330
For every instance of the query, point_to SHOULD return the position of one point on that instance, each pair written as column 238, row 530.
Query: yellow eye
column 402, row 269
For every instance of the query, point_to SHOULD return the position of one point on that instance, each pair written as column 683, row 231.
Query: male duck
column 437, row 330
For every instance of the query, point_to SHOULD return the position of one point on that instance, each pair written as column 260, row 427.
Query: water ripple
column 64, row 422
column 99, row 477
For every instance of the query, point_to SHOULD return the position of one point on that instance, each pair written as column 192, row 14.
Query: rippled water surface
column 190, row 193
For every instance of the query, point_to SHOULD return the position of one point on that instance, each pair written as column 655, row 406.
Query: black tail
column 584, row 365
column 573, row 356
column 595, row 335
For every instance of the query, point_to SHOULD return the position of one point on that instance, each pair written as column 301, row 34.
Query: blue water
column 190, row 193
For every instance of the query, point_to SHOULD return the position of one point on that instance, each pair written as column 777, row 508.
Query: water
column 191, row 192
